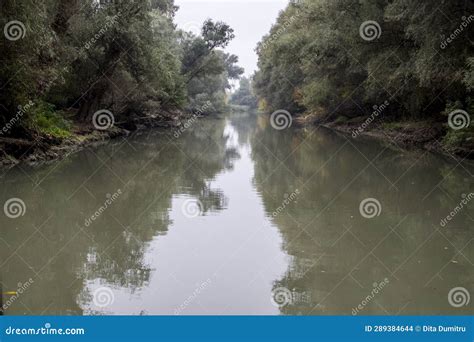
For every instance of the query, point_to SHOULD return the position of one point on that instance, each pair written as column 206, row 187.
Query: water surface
column 235, row 217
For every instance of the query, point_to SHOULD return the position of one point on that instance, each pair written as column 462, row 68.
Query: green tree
column 316, row 59
column 244, row 95
column 73, row 58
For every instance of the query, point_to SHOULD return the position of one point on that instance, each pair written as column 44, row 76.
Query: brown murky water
column 235, row 217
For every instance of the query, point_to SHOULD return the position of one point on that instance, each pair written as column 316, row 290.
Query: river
column 231, row 216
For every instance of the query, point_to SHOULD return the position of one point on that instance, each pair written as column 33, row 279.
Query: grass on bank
column 46, row 121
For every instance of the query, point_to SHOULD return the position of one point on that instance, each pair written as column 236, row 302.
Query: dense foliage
column 64, row 60
column 322, row 58
column 244, row 96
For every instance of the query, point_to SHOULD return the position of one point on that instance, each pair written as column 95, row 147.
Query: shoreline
column 46, row 150
column 403, row 135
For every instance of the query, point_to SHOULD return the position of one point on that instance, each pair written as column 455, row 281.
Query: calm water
column 234, row 217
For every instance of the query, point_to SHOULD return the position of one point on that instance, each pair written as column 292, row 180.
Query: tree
column 316, row 58
column 214, row 35
column 73, row 58
column 244, row 95
column 208, row 69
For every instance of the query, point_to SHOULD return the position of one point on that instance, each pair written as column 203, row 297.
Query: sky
column 251, row 20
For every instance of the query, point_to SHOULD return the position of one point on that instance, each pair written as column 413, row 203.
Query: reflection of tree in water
column 245, row 124
column 149, row 170
column 329, row 241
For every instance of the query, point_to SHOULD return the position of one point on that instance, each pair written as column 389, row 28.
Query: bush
column 50, row 122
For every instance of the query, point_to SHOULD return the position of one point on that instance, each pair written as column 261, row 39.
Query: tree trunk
column 91, row 104
column 93, row 100
column 66, row 10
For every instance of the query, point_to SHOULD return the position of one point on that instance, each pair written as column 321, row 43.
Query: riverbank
column 49, row 149
column 432, row 136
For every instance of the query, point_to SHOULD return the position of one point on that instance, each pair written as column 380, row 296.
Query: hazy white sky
column 250, row 20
